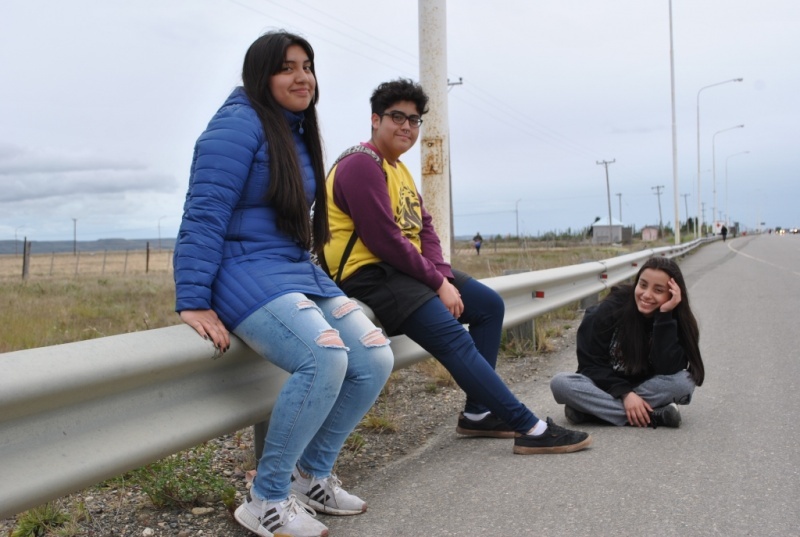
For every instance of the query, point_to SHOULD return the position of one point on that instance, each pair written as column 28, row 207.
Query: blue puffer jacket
column 230, row 255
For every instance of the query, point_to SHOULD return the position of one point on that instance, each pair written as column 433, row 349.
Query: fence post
column 105, row 254
column 26, row 259
column 147, row 258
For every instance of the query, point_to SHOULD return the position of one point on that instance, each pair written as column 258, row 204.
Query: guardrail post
column 527, row 330
column 589, row 301
column 259, row 435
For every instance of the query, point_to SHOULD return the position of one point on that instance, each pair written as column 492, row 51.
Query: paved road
column 733, row 468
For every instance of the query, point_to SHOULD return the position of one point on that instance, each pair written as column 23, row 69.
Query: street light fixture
column 727, row 213
column 699, row 210
column 714, row 168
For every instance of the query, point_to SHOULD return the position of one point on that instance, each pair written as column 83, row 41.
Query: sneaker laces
column 290, row 509
column 334, row 483
column 554, row 427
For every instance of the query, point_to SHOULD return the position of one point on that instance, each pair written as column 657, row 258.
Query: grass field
column 70, row 298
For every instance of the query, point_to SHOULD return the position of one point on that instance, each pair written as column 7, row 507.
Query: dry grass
column 120, row 292
column 62, row 310
column 496, row 258
column 107, row 263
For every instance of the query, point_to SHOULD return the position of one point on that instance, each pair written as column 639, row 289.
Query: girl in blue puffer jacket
column 242, row 265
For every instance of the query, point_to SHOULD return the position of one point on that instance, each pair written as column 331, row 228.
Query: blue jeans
column 579, row 392
column 471, row 356
column 338, row 363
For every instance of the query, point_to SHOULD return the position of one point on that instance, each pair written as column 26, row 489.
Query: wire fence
column 27, row 265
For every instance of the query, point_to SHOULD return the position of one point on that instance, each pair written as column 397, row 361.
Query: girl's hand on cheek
column 675, row 299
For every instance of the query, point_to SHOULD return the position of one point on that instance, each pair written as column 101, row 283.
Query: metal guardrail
column 76, row 414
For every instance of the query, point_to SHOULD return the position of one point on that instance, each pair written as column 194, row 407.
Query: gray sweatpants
column 579, row 392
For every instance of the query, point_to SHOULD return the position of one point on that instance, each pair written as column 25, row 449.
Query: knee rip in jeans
column 330, row 338
column 345, row 308
column 307, row 304
column 374, row 338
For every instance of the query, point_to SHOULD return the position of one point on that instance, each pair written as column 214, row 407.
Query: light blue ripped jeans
column 338, row 361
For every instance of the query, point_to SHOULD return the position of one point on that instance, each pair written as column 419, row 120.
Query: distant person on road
column 638, row 354
column 242, row 265
column 477, row 240
column 724, row 232
column 385, row 252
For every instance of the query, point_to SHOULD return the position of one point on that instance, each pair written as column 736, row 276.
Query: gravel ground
column 416, row 410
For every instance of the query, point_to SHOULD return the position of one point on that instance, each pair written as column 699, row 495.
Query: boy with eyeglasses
column 385, row 252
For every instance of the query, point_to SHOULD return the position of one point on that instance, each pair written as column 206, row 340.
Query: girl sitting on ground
column 638, row 354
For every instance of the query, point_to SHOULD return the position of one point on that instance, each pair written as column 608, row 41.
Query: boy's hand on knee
column 451, row 298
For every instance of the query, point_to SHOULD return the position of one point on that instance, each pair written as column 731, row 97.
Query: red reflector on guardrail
column 538, row 294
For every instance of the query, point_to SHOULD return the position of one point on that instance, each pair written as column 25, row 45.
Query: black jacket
column 600, row 359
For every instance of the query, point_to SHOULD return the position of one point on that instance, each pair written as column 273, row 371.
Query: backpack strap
column 354, row 237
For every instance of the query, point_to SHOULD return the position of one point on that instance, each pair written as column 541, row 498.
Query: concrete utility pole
column 435, row 142
column 702, row 215
column 608, row 192
column 660, row 221
column 619, row 196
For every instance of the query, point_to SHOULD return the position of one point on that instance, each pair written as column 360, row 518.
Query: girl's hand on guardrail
column 207, row 324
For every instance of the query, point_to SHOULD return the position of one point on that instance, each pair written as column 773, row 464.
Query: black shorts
column 391, row 294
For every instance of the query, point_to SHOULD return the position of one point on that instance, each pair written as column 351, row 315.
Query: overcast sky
column 101, row 102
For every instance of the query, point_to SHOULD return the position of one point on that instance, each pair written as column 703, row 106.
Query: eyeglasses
column 399, row 118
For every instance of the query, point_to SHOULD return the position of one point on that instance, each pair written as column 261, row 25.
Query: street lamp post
column 699, row 211
column 727, row 214
column 714, row 168
column 674, row 135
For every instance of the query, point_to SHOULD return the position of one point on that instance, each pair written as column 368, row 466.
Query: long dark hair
column 263, row 59
column 633, row 326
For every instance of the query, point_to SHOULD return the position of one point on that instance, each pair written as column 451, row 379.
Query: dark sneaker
column 574, row 416
column 665, row 416
column 555, row 439
column 490, row 426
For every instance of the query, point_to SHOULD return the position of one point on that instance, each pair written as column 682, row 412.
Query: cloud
column 27, row 174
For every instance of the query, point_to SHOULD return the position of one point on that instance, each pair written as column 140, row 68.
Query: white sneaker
column 278, row 519
column 326, row 495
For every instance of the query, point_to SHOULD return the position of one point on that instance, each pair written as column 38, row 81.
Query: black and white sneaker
column 326, row 495
column 286, row 518
column 665, row 416
column 555, row 439
column 490, row 426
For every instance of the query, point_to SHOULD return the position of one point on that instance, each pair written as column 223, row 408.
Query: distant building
column 649, row 233
column 602, row 233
